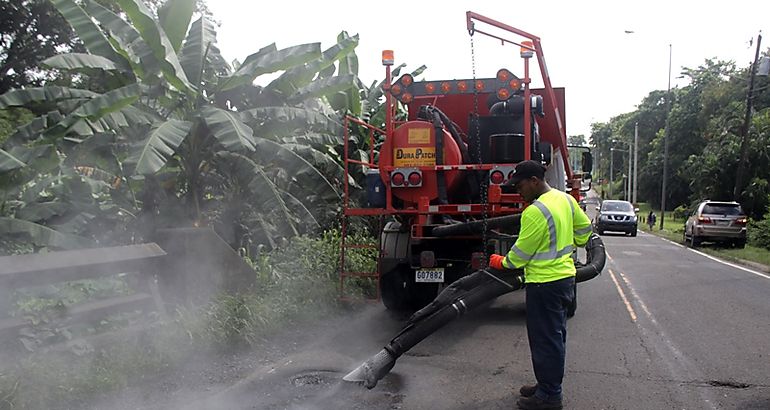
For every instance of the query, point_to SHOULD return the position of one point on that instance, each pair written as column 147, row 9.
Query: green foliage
column 704, row 138
column 160, row 111
column 759, row 231
column 10, row 119
column 681, row 212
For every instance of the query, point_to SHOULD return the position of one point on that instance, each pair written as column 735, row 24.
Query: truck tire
column 393, row 288
column 394, row 267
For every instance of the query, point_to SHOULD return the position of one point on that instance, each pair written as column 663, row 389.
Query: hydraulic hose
column 455, row 300
column 510, row 222
column 596, row 258
column 440, row 175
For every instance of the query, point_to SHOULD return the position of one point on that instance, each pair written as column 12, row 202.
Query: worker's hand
column 496, row 261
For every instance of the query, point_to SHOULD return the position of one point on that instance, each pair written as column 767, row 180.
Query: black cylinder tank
column 507, row 148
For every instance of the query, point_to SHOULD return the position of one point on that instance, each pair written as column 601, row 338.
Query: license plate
column 433, row 275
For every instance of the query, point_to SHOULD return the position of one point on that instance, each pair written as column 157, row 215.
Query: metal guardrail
column 186, row 266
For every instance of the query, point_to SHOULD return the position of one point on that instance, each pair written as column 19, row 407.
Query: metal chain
column 484, row 183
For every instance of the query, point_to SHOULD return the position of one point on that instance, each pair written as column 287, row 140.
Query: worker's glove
column 496, row 261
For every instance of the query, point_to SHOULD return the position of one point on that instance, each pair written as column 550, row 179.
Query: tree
column 174, row 135
column 579, row 140
column 30, row 31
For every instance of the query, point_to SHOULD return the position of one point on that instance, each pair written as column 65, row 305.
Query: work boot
column 528, row 390
column 536, row 403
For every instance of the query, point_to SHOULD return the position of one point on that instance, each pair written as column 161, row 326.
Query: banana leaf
column 174, row 17
column 269, row 122
column 301, row 75
column 144, row 21
column 8, row 162
column 98, row 107
column 25, row 97
column 228, row 128
column 41, row 235
column 41, row 211
column 264, row 195
column 79, row 62
column 88, row 32
column 130, row 43
column 270, row 153
column 199, row 49
column 324, row 87
column 270, row 62
column 151, row 154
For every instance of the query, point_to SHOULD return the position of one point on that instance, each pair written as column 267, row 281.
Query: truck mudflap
column 454, row 301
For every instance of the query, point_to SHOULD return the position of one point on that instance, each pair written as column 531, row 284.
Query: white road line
column 637, row 298
column 622, row 294
column 715, row 259
column 731, row 264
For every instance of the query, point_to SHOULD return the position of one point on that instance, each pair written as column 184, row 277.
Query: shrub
column 759, row 232
column 681, row 212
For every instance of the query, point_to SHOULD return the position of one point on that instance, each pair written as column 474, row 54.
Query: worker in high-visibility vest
column 551, row 226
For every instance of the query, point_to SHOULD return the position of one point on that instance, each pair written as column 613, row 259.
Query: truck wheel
column 394, row 288
column 394, row 267
column 573, row 306
column 633, row 233
column 694, row 240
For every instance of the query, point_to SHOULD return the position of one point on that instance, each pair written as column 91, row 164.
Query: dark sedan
column 616, row 216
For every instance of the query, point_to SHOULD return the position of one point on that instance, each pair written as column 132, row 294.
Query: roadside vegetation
column 296, row 286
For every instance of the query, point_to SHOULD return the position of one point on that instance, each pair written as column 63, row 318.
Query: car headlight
column 633, row 218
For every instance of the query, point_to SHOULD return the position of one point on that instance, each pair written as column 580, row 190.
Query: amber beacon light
column 387, row 57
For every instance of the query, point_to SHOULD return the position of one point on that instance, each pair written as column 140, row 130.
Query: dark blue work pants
column 547, row 332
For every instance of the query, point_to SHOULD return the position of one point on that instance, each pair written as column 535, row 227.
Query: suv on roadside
column 715, row 221
column 618, row 216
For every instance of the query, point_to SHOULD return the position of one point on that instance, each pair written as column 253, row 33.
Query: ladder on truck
column 347, row 273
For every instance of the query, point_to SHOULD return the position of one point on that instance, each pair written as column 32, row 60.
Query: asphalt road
column 664, row 327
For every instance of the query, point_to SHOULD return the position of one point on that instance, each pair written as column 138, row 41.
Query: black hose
column 511, row 222
column 440, row 175
column 457, row 299
column 596, row 259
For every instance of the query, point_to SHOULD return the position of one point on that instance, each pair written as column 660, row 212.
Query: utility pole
column 612, row 164
column 628, row 191
column 636, row 160
column 740, row 174
column 665, row 144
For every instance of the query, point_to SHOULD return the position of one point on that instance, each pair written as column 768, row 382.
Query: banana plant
column 170, row 108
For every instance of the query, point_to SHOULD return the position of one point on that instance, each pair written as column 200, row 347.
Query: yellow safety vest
column 551, row 227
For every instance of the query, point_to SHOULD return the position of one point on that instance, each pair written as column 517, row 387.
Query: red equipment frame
column 497, row 203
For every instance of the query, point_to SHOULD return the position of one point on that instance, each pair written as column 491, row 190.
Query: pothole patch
column 314, row 378
column 729, row 383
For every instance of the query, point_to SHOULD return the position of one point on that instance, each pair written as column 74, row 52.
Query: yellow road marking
column 622, row 294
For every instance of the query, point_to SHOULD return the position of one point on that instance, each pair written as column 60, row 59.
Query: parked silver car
column 715, row 221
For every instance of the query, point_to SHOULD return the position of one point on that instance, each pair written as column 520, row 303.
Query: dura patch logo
column 411, row 157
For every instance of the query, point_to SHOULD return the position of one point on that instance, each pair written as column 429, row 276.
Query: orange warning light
column 387, row 57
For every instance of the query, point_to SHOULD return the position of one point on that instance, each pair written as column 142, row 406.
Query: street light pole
column 636, row 159
column 665, row 144
column 612, row 164
column 628, row 192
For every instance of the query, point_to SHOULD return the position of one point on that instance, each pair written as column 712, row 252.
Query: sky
column 605, row 71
